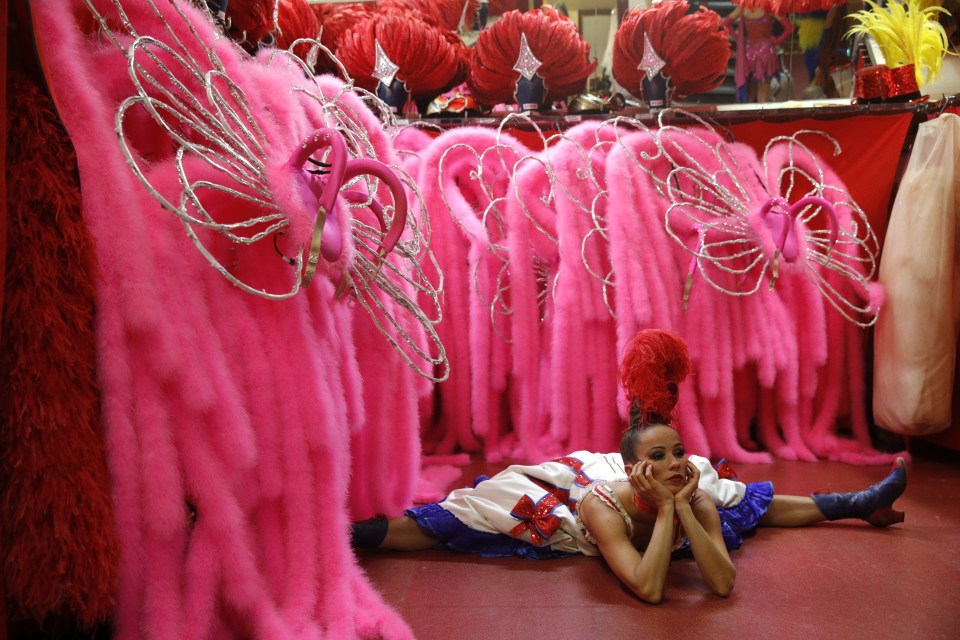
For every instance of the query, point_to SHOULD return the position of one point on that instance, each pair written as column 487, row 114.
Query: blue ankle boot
column 873, row 504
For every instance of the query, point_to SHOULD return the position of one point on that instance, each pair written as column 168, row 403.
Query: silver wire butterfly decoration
column 269, row 209
column 745, row 223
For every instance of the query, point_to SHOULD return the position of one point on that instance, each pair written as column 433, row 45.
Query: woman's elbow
column 724, row 588
column 649, row 595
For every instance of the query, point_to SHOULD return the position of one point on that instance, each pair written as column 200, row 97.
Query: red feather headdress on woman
column 654, row 364
column 427, row 62
column 554, row 41
column 693, row 47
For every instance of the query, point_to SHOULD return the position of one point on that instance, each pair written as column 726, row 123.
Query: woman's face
column 660, row 446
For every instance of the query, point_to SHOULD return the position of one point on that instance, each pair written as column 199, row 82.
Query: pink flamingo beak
column 319, row 193
column 783, row 227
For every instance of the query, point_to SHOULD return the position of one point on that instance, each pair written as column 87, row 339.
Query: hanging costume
column 757, row 48
column 531, row 510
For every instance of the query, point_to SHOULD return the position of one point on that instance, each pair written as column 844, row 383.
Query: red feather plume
column 694, row 47
column 296, row 20
column 58, row 539
column 653, row 366
column 335, row 20
column 429, row 63
column 446, row 14
column 552, row 38
column 788, row 7
column 452, row 12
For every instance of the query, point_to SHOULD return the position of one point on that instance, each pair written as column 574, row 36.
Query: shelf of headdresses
column 680, row 114
column 864, row 144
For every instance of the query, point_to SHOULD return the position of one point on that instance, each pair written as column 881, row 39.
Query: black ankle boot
column 873, row 504
column 369, row 534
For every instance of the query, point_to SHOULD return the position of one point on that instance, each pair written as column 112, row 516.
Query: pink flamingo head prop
column 782, row 226
column 320, row 181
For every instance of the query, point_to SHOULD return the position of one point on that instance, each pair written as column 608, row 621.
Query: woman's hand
column 690, row 487
column 649, row 489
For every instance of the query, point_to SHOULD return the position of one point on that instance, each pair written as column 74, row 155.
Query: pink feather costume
column 453, row 427
column 385, row 446
column 534, row 263
column 650, row 272
column 788, row 164
column 468, row 171
column 583, row 387
column 832, row 376
column 226, row 415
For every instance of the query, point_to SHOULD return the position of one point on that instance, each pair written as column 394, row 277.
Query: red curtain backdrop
column 3, row 191
column 3, row 232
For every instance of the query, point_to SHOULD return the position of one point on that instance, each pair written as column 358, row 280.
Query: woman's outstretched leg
column 791, row 511
column 874, row 504
column 398, row 534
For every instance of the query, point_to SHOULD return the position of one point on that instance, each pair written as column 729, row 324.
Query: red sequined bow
column 577, row 466
column 725, row 470
column 537, row 518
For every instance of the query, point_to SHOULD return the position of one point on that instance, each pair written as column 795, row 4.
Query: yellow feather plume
column 907, row 32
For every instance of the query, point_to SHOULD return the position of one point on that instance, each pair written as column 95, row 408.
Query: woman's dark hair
column 630, row 441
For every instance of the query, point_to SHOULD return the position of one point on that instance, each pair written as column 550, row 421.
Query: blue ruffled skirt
column 439, row 523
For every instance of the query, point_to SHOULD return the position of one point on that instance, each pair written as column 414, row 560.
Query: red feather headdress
column 787, row 7
column 452, row 12
column 446, row 14
column 653, row 366
column 335, row 20
column 429, row 63
column 296, row 20
column 694, row 47
column 553, row 39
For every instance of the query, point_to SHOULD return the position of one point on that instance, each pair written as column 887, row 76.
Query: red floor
column 837, row 580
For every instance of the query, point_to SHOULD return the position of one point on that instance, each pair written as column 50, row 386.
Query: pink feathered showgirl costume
column 228, row 417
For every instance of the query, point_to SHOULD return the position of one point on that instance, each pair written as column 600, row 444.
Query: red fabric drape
column 3, row 235
column 3, row 195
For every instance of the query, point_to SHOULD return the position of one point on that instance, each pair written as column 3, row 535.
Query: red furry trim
column 693, row 46
column 57, row 537
column 653, row 366
column 552, row 38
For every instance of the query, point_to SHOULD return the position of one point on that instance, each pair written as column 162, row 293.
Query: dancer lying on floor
column 638, row 509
